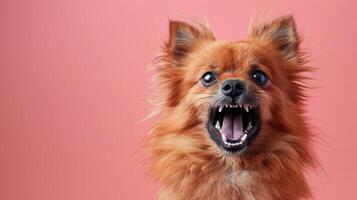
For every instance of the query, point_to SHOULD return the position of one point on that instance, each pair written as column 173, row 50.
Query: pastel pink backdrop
column 74, row 86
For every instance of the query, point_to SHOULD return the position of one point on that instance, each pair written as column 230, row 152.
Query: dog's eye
column 208, row 78
column 259, row 77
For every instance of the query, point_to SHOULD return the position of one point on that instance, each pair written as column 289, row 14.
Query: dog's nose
column 233, row 88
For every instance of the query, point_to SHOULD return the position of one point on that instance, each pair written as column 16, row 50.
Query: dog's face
column 243, row 93
column 231, row 85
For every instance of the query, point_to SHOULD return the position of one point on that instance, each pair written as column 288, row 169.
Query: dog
column 231, row 121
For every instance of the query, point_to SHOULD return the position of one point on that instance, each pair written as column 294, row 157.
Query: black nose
column 233, row 88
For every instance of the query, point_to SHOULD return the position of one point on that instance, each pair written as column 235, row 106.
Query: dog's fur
column 185, row 160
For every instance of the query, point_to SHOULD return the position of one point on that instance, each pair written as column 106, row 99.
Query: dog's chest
column 241, row 182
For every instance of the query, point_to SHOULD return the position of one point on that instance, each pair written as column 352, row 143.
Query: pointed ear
column 183, row 38
column 282, row 34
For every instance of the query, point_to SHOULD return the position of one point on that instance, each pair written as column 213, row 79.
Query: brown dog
column 231, row 123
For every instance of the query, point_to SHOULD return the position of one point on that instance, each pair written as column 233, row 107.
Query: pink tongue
column 232, row 126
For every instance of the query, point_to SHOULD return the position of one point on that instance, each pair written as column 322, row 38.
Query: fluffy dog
column 231, row 122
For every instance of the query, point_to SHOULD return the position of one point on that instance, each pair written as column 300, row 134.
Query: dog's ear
column 281, row 33
column 184, row 38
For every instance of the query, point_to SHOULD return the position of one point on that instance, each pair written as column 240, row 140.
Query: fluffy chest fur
column 196, row 171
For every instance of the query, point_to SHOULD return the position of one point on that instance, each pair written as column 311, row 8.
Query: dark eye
column 259, row 77
column 208, row 78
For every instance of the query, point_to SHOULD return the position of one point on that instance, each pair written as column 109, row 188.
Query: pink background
column 74, row 86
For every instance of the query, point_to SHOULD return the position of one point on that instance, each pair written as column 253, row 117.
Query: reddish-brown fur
column 183, row 158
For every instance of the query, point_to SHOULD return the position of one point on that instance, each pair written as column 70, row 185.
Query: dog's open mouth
column 232, row 127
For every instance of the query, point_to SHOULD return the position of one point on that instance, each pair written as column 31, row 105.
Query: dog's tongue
column 232, row 126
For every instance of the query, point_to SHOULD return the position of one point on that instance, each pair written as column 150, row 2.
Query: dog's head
column 244, row 94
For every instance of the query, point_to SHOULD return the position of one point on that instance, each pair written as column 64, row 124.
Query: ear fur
column 183, row 38
column 282, row 34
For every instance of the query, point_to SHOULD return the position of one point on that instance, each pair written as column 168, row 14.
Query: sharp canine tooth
column 249, row 126
column 220, row 108
column 246, row 107
column 244, row 137
column 224, row 138
column 218, row 126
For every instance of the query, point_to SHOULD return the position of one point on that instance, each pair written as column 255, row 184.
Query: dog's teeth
column 249, row 126
column 218, row 126
column 246, row 107
column 220, row 108
column 224, row 138
column 244, row 137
